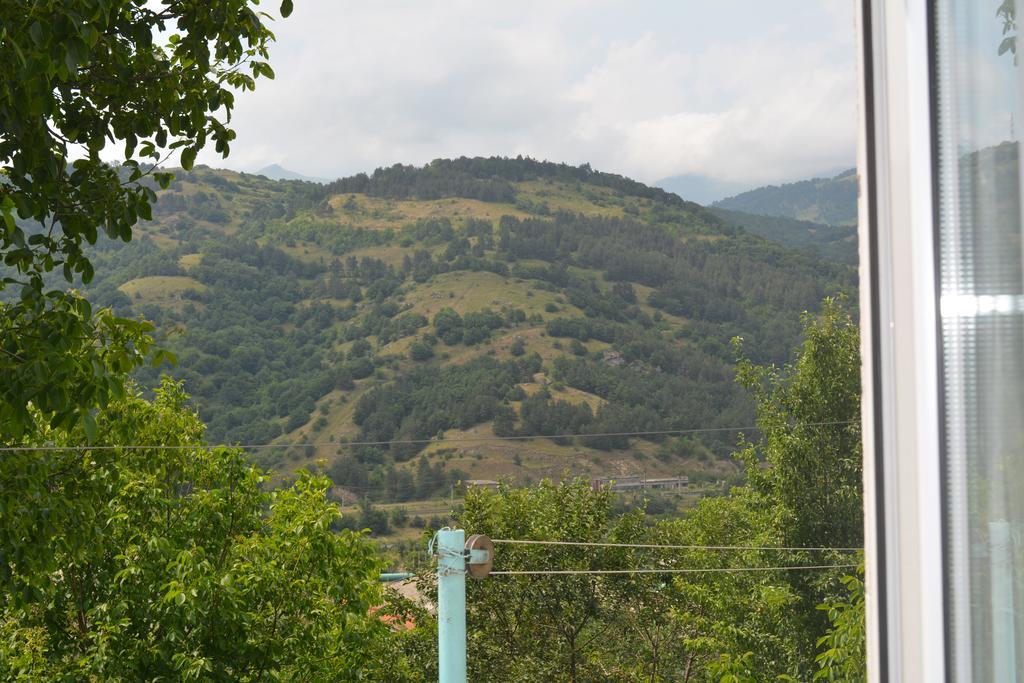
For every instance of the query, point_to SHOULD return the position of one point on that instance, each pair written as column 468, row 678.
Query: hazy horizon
column 736, row 94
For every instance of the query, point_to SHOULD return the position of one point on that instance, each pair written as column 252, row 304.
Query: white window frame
column 905, row 589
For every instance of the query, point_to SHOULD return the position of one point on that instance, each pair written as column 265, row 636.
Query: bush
column 420, row 351
column 448, row 326
column 399, row 517
column 374, row 519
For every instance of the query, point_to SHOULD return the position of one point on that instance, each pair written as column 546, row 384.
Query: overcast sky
column 749, row 91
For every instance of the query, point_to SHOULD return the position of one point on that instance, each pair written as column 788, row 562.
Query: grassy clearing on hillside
column 340, row 405
column 163, row 241
column 466, row 292
column 643, row 296
column 559, row 196
column 162, row 290
column 567, row 394
column 534, row 338
column 390, row 254
column 529, row 460
column 189, row 261
column 381, row 213
column 337, row 424
column 307, row 252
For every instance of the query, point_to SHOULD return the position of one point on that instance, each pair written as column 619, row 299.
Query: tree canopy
column 691, row 618
column 81, row 83
column 179, row 563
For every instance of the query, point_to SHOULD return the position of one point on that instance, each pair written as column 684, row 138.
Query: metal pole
column 451, row 605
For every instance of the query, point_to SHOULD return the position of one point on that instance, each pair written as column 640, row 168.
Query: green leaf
column 286, row 8
column 35, row 31
column 90, row 427
column 188, row 158
column 6, row 208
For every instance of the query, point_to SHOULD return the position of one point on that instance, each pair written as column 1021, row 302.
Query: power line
column 399, row 442
column 715, row 570
column 437, row 484
column 441, row 486
column 672, row 547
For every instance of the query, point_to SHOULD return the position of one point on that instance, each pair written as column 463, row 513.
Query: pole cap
column 479, row 556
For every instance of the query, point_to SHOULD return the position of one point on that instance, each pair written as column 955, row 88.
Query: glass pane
column 982, row 312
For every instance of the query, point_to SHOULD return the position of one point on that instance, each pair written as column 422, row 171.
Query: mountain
column 836, row 242
column 701, row 189
column 277, row 172
column 467, row 299
column 831, row 201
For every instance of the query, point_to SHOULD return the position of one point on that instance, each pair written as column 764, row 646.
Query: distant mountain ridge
column 835, row 242
column 701, row 189
column 829, row 201
column 278, row 172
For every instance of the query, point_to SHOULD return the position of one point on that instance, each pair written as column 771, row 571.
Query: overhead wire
column 669, row 570
column 443, row 485
column 713, row 570
column 399, row 442
column 599, row 544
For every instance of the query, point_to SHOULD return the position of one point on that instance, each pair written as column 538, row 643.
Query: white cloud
column 739, row 113
column 647, row 89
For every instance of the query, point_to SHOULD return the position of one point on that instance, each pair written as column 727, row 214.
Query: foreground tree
column 546, row 627
column 843, row 647
column 672, row 624
column 809, row 417
column 128, row 549
column 695, row 618
column 804, row 480
column 78, row 78
column 187, row 568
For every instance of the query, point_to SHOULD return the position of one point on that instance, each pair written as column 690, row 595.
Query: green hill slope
column 836, row 242
column 832, row 201
column 467, row 299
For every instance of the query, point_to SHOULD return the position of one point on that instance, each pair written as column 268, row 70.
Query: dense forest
column 506, row 295
column 834, row 242
column 831, row 201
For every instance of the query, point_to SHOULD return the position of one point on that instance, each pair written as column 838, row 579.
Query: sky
column 984, row 85
column 739, row 91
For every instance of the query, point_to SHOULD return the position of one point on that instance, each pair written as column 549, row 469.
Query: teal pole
column 451, row 606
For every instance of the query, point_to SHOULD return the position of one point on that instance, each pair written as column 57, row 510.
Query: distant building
column 482, row 483
column 668, row 483
column 635, row 482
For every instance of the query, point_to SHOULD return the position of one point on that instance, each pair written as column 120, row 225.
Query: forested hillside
column 468, row 299
column 835, row 242
column 832, row 201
